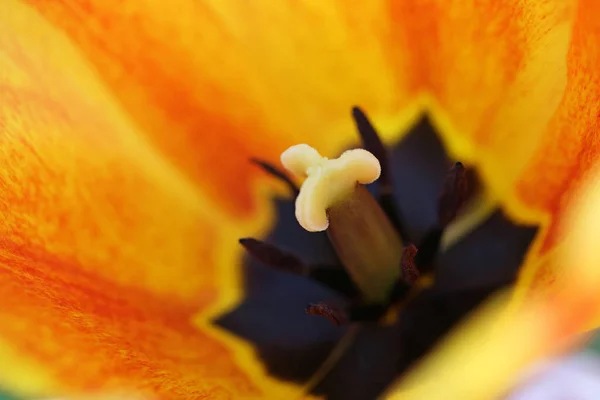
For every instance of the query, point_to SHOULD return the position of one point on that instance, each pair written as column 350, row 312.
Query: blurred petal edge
column 484, row 356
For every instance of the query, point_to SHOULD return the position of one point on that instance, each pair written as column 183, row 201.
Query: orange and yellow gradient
column 125, row 129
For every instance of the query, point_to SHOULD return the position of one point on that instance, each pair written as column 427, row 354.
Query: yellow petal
column 215, row 82
column 567, row 151
column 107, row 252
column 494, row 73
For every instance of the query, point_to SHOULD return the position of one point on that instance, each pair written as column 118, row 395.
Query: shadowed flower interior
column 428, row 292
column 125, row 131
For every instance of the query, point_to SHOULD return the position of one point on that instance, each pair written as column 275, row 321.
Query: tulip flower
column 126, row 130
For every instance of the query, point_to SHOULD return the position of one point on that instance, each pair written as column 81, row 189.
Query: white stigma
column 327, row 181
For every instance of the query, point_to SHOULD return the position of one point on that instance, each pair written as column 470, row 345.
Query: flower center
column 333, row 198
column 446, row 269
column 364, row 231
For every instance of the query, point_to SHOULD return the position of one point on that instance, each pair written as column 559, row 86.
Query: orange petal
column 216, row 82
column 65, row 331
column 569, row 148
column 488, row 353
column 493, row 71
column 106, row 251
column 79, row 182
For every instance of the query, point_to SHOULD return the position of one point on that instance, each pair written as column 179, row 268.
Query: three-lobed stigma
column 327, row 182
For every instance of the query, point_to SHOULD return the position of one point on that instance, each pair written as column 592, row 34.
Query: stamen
column 410, row 273
column 274, row 257
column 372, row 142
column 277, row 173
column 332, row 277
column 334, row 314
column 454, row 194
